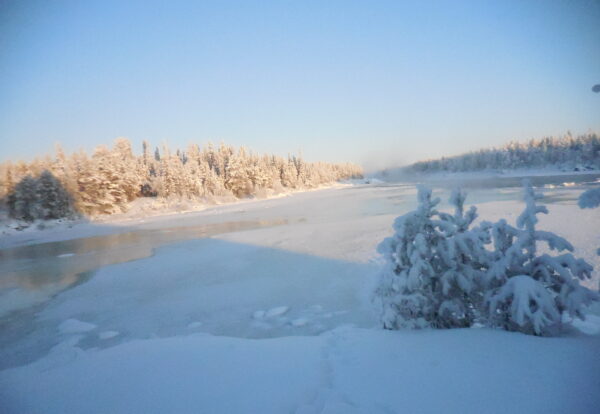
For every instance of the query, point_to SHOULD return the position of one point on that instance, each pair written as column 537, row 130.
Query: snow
column 182, row 325
column 278, row 311
column 108, row 334
column 299, row 322
column 194, row 325
column 71, row 326
column 259, row 314
column 62, row 256
column 589, row 326
column 346, row 370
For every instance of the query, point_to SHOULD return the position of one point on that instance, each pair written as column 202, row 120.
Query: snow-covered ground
column 264, row 306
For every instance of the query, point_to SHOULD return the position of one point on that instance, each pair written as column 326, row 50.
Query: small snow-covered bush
column 441, row 272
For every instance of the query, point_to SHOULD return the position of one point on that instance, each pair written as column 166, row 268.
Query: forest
column 107, row 181
column 568, row 152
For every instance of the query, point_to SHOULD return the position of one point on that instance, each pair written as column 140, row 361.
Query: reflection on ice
column 48, row 268
column 206, row 285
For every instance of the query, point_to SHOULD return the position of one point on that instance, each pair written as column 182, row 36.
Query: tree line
column 109, row 179
column 580, row 153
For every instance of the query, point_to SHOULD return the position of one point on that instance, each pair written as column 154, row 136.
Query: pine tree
column 237, row 180
column 465, row 257
column 52, row 200
column 410, row 286
column 527, row 292
column 21, row 202
column 434, row 264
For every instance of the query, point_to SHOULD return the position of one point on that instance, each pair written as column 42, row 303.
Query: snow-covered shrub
column 528, row 292
column 433, row 262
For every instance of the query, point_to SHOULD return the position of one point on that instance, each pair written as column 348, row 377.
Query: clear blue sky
column 372, row 82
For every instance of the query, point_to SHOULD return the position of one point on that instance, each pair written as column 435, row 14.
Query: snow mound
column 589, row 326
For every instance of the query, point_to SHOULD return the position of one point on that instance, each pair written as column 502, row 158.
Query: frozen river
column 297, row 265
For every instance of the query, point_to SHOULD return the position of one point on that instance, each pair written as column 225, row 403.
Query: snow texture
column 71, row 326
column 108, row 334
column 347, row 370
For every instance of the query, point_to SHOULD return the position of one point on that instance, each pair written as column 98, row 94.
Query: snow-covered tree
column 434, row 264
column 590, row 198
column 52, row 200
column 40, row 198
column 21, row 202
column 465, row 258
column 526, row 291
column 106, row 182
column 440, row 273
column 237, row 181
column 410, row 280
column 576, row 153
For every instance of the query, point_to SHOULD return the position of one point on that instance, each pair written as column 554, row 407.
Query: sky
column 379, row 83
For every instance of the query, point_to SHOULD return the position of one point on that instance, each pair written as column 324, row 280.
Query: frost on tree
column 110, row 179
column 526, row 291
column 433, row 263
column 568, row 152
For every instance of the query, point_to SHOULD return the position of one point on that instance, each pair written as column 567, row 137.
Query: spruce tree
column 52, row 200
column 529, row 292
